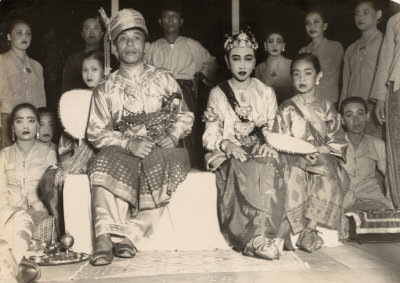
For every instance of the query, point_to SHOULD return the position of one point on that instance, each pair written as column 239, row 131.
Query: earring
column 37, row 135
column 283, row 49
column 317, row 82
column 13, row 135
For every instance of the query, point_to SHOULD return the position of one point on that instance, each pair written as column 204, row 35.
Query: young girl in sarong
column 250, row 179
column 275, row 71
column 329, row 53
column 316, row 182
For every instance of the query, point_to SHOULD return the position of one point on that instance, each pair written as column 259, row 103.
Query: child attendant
column 275, row 71
column 46, row 128
column 365, row 156
column 329, row 53
column 250, row 181
column 316, row 184
column 361, row 59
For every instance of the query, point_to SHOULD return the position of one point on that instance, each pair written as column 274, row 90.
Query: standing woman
column 386, row 88
column 21, row 77
column 329, row 53
column 275, row 71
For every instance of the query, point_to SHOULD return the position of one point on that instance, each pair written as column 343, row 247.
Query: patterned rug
column 183, row 262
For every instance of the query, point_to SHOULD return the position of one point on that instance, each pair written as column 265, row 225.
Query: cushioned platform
column 190, row 221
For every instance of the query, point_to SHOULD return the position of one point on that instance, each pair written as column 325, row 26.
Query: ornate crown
column 243, row 39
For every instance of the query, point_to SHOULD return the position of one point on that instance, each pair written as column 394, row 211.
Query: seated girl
column 366, row 155
column 316, row 181
column 250, row 179
column 47, row 127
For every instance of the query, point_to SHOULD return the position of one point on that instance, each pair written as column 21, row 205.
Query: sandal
column 101, row 258
column 262, row 247
column 124, row 249
column 309, row 240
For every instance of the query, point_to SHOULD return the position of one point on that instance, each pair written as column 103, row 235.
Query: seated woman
column 250, row 179
column 316, row 182
column 26, row 160
column 21, row 167
column 366, row 155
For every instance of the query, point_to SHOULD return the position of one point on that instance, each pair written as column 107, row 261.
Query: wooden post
column 114, row 7
column 235, row 16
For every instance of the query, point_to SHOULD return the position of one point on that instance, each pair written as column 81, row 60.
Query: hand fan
column 290, row 145
column 73, row 110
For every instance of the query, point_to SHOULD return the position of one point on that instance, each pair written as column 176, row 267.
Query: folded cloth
column 379, row 225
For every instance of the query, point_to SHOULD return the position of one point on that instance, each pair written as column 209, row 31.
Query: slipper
column 124, row 250
column 101, row 258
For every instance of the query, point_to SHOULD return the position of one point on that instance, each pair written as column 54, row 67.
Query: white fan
column 291, row 145
column 73, row 111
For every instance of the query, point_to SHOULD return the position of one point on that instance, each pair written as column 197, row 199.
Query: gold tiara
column 243, row 39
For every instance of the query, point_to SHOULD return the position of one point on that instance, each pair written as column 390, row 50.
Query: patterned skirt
column 144, row 183
column 250, row 199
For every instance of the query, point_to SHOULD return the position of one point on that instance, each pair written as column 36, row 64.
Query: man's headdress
column 245, row 38
column 125, row 19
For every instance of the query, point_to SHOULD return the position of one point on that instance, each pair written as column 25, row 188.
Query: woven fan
column 290, row 145
column 73, row 111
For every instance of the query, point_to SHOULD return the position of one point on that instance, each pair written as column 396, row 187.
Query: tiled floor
column 348, row 263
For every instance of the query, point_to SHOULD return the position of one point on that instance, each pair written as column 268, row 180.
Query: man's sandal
column 99, row 258
column 124, row 249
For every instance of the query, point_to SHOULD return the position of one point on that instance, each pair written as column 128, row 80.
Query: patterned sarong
column 144, row 183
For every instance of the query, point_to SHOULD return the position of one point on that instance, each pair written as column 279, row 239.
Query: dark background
column 56, row 26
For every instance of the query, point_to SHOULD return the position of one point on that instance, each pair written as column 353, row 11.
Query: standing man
column 72, row 73
column 137, row 117
column 190, row 63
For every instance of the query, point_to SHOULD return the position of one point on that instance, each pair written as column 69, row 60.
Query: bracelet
column 127, row 146
column 220, row 144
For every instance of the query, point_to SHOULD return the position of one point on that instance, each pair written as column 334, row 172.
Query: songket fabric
column 330, row 55
column 362, row 163
column 279, row 78
column 387, row 88
column 314, row 192
column 250, row 193
column 141, row 102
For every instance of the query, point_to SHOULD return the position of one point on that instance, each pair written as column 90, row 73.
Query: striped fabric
column 376, row 222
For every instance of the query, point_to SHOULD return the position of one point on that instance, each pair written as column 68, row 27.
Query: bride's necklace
column 241, row 91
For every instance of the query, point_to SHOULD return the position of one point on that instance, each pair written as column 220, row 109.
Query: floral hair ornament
column 245, row 38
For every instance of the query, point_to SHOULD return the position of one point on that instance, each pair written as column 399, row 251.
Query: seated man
column 136, row 118
column 365, row 156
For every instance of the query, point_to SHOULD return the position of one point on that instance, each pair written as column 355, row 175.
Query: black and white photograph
column 199, row 141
